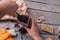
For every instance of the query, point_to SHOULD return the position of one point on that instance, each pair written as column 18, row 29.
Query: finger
column 27, row 28
column 33, row 23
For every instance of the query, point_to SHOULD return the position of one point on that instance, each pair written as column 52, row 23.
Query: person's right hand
column 34, row 32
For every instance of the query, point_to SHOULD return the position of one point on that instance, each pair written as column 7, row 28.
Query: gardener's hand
column 34, row 32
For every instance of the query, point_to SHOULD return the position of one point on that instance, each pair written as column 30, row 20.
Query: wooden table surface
column 50, row 9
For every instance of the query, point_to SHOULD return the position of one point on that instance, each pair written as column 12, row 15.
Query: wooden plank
column 47, row 36
column 26, row 36
column 40, row 6
column 51, row 18
column 51, row 26
column 54, row 2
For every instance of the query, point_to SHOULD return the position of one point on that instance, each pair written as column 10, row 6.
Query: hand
column 8, row 9
column 34, row 32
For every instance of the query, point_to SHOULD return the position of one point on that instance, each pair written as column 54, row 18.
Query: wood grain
column 52, row 18
column 10, row 24
column 40, row 6
column 54, row 2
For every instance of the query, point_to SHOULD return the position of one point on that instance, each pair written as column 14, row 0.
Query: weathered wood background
column 50, row 9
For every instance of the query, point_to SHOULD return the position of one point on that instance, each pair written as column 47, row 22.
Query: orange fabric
column 10, row 38
column 2, row 32
column 5, row 35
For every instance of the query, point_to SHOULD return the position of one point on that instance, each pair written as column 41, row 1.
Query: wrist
column 38, row 38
